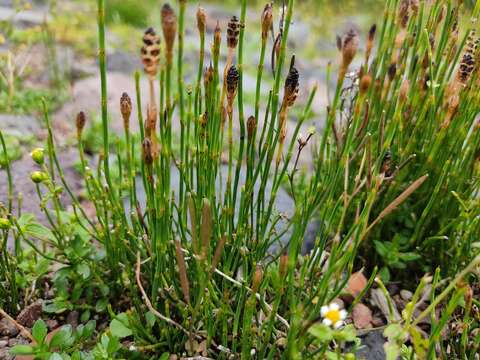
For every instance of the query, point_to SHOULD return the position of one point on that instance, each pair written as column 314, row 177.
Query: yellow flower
column 332, row 315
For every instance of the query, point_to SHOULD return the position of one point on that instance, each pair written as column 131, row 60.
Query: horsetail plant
column 212, row 259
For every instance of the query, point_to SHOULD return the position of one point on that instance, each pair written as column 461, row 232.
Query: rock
column 298, row 33
column 22, row 183
column 25, row 18
column 362, row 316
column 372, row 346
column 18, row 340
column 123, row 62
column 339, row 302
column 356, row 283
column 52, row 324
column 406, row 295
column 400, row 302
column 3, row 343
column 377, row 321
column 85, row 96
column 30, row 314
column 379, row 300
column 7, row 328
column 22, row 126
column 65, row 59
column 311, row 235
column 4, row 354
column 82, row 69
column 72, row 319
column 393, row 288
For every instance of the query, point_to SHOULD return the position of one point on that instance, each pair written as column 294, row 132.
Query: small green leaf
column 39, row 231
column 151, row 319
column 113, row 345
column 392, row 351
column 55, row 357
column 119, row 330
column 322, row 333
column 76, row 356
column 384, row 274
column 347, row 334
column 104, row 289
column 410, row 256
column 104, row 341
column 85, row 316
column 61, row 338
column 101, row 305
column 89, row 328
column 57, row 306
column 393, row 331
column 381, row 248
column 21, row 350
column 31, row 227
column 39, row 331
column 83, row 270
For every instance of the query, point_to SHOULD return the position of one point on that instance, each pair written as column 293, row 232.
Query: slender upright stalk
column 181, row 104
column 241, row 116
column 102, row 59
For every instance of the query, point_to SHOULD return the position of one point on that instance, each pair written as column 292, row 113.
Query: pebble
column 362, row 316
column 377, row 321
column 7, row 328
column 339, row 302
column 406, row 295
column 18, row 340
column 30, row 314
column 52, row 324
column 4, row 354
column 72, row 319
column 23, row 126
column 372, row 348
column 12, row 342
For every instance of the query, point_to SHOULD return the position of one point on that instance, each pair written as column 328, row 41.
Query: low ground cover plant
column 185, row 253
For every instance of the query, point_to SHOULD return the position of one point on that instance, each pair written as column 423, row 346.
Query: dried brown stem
column 149, row 304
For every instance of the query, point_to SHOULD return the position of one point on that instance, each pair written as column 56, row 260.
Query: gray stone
column 299, row 31
column 5, row 355
column 123, row 62
column 3, row 343
column 372, row 346
column 406, row 295
column 7, row 328
column 20, row 125
column 379, row 300
column 86, row 97
column 310, row 236
column 72, row 319
column 24, row 18
column 22, row 183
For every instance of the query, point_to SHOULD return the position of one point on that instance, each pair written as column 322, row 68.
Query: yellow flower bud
column 38, row 177
column 38, row 155
column 4, row 224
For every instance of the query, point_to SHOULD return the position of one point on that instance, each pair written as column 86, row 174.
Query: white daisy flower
column 332, row 315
